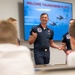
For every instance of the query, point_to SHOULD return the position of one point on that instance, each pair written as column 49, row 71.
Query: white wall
column 14, row 8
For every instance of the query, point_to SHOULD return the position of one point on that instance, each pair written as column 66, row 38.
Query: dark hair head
column 72, row 19
column 43, row 14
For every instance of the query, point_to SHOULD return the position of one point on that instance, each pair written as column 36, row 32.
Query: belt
column 43, row 49
column 46, row 50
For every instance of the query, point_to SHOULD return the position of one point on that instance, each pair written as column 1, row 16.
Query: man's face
column 44, row 19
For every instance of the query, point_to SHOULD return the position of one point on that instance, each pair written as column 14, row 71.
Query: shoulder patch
column 39, row 29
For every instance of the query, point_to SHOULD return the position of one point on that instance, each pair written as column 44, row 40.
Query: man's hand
column 34, row 35
column 60, row 48
column 32, row 38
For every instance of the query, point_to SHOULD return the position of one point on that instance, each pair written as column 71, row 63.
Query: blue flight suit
column 66, row 39
column 41, row 44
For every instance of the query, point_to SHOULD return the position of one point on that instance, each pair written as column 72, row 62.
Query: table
column 54, row 70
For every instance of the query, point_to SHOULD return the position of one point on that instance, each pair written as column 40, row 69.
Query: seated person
column 14, row 59
column 14, row 21
column 71, row 56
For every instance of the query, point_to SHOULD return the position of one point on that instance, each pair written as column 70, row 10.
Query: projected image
column 59, row 13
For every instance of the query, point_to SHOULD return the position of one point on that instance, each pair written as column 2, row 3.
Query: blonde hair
column 11, row 19
column 72, row 28
column 8, row 32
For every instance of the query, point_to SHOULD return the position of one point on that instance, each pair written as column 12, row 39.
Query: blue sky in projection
column 59, row 13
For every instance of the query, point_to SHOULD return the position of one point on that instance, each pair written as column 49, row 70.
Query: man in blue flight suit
column 42, row 37
column 66, row 41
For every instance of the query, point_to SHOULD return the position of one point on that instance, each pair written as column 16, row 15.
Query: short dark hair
column 72, row 19
column 43, row 14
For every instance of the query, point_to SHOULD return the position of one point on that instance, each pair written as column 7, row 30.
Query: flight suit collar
column 42, row 27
